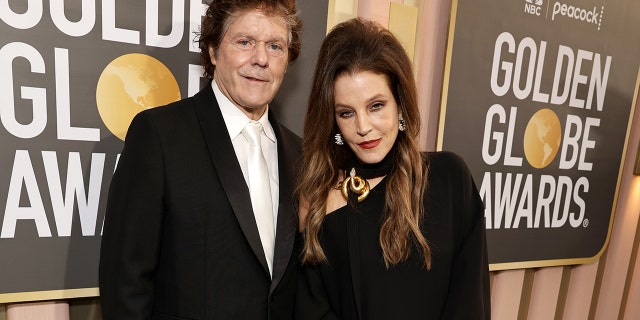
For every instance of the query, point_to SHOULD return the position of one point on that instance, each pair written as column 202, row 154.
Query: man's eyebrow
column 248, row 36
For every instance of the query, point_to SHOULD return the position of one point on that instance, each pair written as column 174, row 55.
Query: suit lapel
column 228, row 168
column 287, row 220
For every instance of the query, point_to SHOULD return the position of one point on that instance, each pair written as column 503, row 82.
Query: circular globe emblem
column 542, row 138
column 132, row 83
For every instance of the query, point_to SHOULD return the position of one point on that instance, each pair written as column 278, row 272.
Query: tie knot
column 252, row 132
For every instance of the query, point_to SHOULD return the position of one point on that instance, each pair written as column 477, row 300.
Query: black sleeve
column 469, row 290
column 312, row 302
column 132, row 226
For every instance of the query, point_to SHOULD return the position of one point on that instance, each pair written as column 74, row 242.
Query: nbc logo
column 533, row 7
column 563, row 10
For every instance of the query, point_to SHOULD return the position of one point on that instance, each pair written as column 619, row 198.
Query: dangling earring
column 402, row 126
column 339, row 140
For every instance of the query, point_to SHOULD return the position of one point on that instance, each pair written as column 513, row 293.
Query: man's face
column 251, row 60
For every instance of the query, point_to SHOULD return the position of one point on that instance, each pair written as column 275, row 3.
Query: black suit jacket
column 180, row 240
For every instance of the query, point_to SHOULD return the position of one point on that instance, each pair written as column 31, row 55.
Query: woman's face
column 366, row 113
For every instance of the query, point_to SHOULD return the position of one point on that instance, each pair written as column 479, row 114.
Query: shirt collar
column 235, row 119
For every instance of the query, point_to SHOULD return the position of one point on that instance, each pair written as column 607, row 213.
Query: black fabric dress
column 355, row 284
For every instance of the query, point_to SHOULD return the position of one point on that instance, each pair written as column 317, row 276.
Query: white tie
column 260, row 189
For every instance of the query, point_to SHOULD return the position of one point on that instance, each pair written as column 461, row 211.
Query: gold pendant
column 356, row 184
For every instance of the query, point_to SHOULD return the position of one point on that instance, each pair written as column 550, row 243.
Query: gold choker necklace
column 356, row 184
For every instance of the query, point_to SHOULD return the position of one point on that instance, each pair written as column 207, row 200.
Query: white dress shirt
column 235, row 121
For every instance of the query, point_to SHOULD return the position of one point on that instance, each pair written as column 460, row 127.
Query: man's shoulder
column 290, row 134
column 283, row 132
column 179, row 107
column 290, row 139
column 172, row 107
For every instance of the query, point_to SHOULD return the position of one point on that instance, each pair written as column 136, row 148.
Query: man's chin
column 253, row 111
column 257, row 102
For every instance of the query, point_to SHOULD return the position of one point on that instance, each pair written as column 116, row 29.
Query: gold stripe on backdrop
column 403, row 21
column 49, row 295
column 340, row 11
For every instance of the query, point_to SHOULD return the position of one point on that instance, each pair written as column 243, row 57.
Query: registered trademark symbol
column 585, row 223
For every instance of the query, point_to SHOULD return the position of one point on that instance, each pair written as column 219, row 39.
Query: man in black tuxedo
column 180, row 239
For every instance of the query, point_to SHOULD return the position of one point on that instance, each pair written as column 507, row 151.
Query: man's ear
column 212, row 55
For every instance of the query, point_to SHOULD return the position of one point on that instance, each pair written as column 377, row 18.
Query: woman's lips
column 370, row 144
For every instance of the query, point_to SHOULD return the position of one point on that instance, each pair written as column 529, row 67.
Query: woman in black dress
column 390, row 232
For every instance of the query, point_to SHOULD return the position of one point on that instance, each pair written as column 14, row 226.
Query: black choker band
column 372, row 170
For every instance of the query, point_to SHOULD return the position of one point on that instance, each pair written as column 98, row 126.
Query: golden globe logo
column 542, row 138
column 132, row 83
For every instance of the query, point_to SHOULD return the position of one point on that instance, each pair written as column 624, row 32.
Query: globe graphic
column 542, row 138
column 132, row 83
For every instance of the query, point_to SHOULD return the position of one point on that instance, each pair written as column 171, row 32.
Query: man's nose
column 260, row 54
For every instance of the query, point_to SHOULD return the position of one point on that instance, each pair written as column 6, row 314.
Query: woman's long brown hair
column 354, row 46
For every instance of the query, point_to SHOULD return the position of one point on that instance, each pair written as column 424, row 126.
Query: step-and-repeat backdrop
column 73, row 73
column 538, row 102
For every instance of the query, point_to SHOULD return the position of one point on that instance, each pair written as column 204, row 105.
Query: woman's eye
column 377, row 105
column 345, row 114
